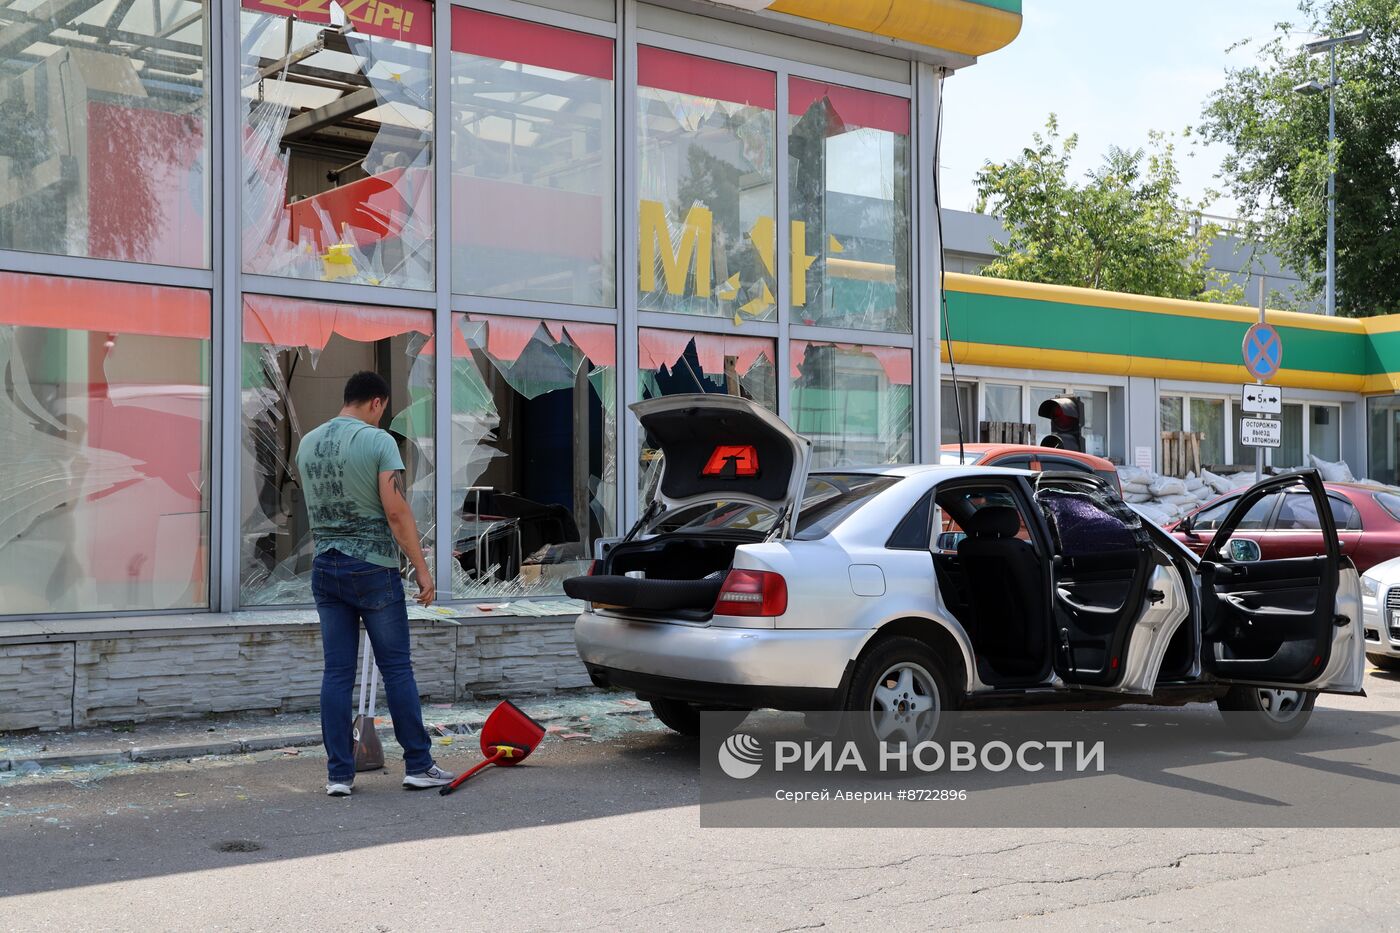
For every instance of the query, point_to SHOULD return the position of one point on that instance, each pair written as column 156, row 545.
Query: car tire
column 684, row 718
column 902, row 687
column 1384, row 662
column 1260, row 713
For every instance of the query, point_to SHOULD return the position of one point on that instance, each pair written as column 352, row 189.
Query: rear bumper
column 778, row 668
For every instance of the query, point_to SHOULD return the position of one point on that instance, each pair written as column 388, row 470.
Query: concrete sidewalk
column 582, row 715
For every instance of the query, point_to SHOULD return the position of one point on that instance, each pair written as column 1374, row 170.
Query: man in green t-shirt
column 352, row 480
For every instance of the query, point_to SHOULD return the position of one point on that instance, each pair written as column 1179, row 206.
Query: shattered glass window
column 679, row 363
column 337, row 140
column 297, row 355
column 705, row 186
column 104, row 446
column 104, row 115
column 534, row 470
column 532, row 161
column 848, row 196
column 854, row 402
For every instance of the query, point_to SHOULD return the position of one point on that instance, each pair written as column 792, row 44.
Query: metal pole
column 1332, row 186
column 1259, row 451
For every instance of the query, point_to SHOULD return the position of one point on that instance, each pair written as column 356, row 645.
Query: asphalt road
column 606, row 835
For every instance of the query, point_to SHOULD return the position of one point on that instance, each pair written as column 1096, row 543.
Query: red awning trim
column 296, row 322
column 897, row 362
column 657, row 348
column 853, row 108
column 507, row 337
column 705, row 77
column 104, row 307
column 515, row 40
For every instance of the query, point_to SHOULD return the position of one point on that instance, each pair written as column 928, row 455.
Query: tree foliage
column 1278, row 165
column 1124, row 228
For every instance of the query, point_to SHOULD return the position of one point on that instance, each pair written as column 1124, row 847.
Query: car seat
column 1005, row 589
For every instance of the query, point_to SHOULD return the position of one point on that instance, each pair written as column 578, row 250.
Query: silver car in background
column 908, row 590
column 1380, row 612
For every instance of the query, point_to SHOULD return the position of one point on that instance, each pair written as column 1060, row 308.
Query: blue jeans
column 346, row 591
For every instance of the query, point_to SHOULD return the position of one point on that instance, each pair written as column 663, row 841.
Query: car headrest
column 993, row 521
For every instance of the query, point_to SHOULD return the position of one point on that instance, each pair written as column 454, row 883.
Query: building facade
column 212, row 213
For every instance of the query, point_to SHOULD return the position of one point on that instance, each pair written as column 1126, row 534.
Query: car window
column 1390, row 502
column 1057, row 464
column 831, row 498
column 967, row 501
column 1210, row 519
column 950, row 458
column 1299, row 513
column 1012, row 463
column 912, row 532
column 828, row 499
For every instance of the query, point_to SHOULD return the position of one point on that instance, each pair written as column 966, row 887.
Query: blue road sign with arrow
column 1263, row 352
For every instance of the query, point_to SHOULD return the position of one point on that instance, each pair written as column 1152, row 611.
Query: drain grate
column 237, row 845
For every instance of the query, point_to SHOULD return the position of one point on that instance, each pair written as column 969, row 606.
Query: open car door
column 1116, row 599
column 1290, row 622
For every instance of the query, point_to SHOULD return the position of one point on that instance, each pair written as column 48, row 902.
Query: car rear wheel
column 680, row 716
column 1384, row 662
column 1262, row 713
column 900, row 691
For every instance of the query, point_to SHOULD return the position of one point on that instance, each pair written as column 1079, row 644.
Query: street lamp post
column 1329, row 45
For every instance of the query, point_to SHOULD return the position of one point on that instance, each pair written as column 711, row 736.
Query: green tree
column 1277, row 167
column 1124, row 228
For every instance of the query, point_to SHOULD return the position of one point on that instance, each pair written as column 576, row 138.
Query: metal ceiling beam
column 43, row 19
column 342, row 108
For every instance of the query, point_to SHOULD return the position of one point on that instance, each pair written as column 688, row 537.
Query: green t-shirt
column 340, row 463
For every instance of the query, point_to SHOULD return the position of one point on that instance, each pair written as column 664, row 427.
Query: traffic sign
column 1263, row 352
column 1261, row 399
column 1261, row 432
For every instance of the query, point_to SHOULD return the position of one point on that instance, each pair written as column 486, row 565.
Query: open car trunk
column 671, row 573
column 714, row 449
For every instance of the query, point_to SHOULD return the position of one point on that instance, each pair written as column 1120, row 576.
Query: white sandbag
column 1183, row 500
column 1155, row 514
column 1337, row 472
column 1217, row 484
column 1167, row 486
column 1132, row 474
column 1142, row 489
column 1136, row 497
column 1240, row 480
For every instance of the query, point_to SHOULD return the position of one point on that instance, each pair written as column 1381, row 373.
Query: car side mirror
column 948, row 540
column 1187, row 526
column 1243, row 550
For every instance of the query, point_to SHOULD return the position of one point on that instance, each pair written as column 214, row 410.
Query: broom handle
column 364, row 670
column 457, row 781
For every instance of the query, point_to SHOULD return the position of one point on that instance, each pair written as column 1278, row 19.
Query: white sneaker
column 340, row 788
column 433, row 777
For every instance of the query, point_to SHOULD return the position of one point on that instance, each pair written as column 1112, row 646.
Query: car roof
column 997, row 450
column 920, row 469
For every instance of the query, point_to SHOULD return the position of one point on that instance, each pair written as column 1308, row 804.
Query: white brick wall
column 172, row 674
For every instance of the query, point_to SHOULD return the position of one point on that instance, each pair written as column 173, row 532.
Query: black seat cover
column 1005, row 587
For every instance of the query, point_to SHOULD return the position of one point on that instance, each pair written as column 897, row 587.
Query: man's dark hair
column 365, row 386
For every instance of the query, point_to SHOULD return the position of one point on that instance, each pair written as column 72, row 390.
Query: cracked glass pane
column 849, row 201
column 532, row 139
column 337, row 140
column 705, row 186
column 104, row 115
column 854, row 402
column 534, row 476
column 104, row 446
column 297, row 355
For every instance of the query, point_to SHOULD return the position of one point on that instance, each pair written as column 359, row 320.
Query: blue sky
column 1112, row 70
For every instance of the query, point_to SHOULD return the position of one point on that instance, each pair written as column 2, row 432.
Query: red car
column 1030, row 457
column 1285, row 524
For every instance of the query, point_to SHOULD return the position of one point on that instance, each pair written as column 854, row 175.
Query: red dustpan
column 507, row 737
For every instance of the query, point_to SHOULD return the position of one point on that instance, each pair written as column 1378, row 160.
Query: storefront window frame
column 225, row 282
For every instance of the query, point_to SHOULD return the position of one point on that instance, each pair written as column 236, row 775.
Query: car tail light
column 752, row 593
